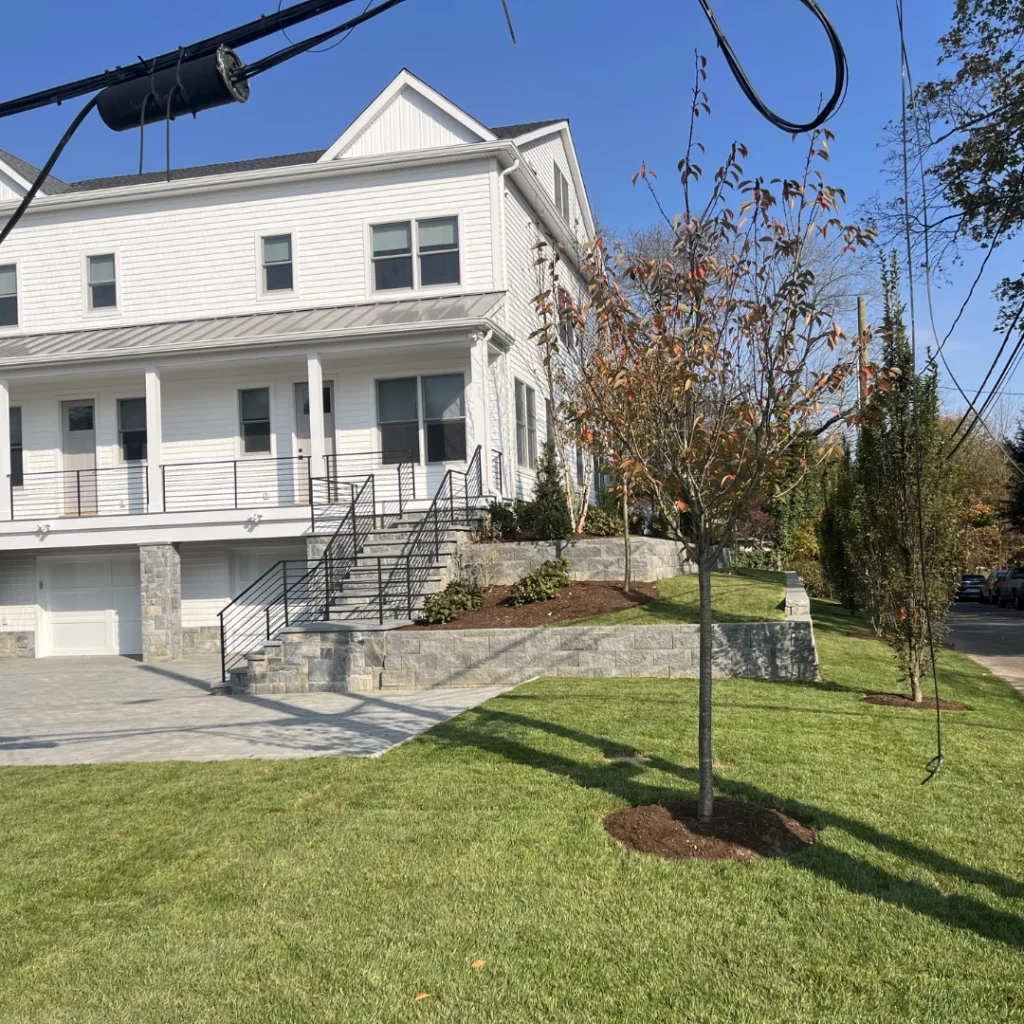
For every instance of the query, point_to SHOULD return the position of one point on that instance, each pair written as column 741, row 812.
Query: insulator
column 190, row 87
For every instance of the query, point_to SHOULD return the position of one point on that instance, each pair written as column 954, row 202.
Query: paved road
column 994, row 637
column 94, row 710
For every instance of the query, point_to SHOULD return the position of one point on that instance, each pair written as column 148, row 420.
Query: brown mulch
column 576, row 601
column 901, row 700
column 737, row 831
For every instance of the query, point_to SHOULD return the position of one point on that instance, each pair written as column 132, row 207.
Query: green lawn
column 738, row 595
column 331, row 890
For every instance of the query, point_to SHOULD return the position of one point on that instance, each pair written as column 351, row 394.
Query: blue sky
column 621, row 72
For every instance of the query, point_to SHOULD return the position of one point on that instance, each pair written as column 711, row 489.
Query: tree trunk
column 706, row 798
column 915, row 684
column 627, row 573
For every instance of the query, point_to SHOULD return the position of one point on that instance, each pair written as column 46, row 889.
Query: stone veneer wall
column 334, row 656
column 593, row 558
column 17, row 645
column 160, row 577
column 200, row 640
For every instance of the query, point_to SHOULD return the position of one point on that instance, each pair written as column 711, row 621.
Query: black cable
column 250, row 32
column 333, row 46
column 838, row 54
column 934, row 766
column 47, row 167
column 274, row 59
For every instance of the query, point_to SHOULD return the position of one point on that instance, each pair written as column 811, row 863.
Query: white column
column 5, row 451
column 478, row 402
column 154, row 439
column 315, row 378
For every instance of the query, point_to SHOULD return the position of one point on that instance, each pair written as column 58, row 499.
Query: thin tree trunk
column 915, row 685
column 706, row 798
column 627, row 546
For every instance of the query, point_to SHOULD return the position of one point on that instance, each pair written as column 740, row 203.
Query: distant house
column 186, row 364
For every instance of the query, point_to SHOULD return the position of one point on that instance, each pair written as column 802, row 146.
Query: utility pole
column 862, row 351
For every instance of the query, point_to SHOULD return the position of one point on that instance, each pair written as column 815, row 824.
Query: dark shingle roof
column 205, row 171
column 52, row 186
column 513, row 131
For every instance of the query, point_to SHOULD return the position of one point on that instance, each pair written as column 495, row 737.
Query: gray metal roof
column 250, row 330
column 52, row 186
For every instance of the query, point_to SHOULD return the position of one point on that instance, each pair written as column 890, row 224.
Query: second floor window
column 398, row 419
column 562, row 194
column 17, row 452
column 277, row 263
column 526, row 425
column 435, row 260
column 254, row 413
column 444, row 417
column 9, row 296
column 131, row 426
column 102, row 282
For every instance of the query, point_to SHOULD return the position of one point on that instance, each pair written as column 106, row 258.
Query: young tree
column 708, row 371
column 902, row 436
column 836, row 533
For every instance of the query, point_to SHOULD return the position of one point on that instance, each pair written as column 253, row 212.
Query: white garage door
column 91, row 605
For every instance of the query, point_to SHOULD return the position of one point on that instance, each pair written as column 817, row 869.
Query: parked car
column 969, row 587
column 988, row 588
column 1008, row 590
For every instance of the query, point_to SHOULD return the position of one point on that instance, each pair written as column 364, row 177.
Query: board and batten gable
column 194, row 255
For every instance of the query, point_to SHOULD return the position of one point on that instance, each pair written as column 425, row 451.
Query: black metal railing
column 295, row 593
column 344, row 474
column 292, row 593
column 498, row 471
column 80, row 493
column 236, row 484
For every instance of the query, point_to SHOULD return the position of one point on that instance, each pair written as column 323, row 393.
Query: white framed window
column 566, row 323
column 9, row 295
column 562, row 195
column 444, row 417
column 17, row 449
column 254, row 420
column 415, row 254
column 526, row 425
column 398, row 419
column 131, row 428
column 102, row 281
column 278, row 268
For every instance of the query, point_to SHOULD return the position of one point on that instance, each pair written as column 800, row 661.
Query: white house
column 165, row 347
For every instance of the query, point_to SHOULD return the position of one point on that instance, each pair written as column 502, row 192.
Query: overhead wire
column 334, row 45
column 934, row 766
column 831, row 106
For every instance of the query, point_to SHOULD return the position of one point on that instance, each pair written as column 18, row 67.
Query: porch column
column 477, row 399
column 154, row 439
column 315, row 378
column 5, row 451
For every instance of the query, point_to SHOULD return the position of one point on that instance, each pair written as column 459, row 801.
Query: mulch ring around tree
column 901, row 700
column 576, row 601
column 738, row 831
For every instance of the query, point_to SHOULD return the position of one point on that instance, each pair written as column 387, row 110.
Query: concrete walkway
column 993, row 637
column 96, row 710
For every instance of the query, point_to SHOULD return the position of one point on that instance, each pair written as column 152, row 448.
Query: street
column 994, row 637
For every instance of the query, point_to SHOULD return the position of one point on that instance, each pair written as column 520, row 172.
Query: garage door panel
column 92, row 605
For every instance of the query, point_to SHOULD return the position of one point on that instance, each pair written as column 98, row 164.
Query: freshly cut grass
column 737, row 595
column 338, row 890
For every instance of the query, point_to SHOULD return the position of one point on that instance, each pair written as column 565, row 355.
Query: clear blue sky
column 620, row 72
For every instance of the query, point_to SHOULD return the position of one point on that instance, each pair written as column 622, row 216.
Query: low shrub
column 505, row 519
column 602, row 523
column 451, row 602
column 758, row 558
column 542, row 584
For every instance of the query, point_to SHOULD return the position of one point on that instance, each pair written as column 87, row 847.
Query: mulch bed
column 577, row 601
column 738, row 831
column 900, row 700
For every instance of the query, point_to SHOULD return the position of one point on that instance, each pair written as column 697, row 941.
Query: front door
column 79, row 457
column 302, row 433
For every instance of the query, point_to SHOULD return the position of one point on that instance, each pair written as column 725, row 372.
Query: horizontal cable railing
column 74, row 493
column 236, row 484
column 395, row 484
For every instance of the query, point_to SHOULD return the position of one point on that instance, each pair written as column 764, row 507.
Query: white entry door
column 91, row 605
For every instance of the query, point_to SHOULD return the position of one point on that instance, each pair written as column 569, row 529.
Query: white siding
column 17, row 592
column 192, row 256
column 409, row 122
column 543, row 155
column 9, row 188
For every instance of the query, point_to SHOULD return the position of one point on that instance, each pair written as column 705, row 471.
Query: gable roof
column 513, row 131
column 29, row 172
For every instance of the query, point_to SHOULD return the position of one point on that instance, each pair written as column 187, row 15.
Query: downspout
column 502, row 218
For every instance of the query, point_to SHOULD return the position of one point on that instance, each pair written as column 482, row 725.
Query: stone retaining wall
column 334, row 656
column 17, row 645
column 197, row 640
column 594, row 558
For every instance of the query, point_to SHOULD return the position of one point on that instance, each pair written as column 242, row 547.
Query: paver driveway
column 92, row 710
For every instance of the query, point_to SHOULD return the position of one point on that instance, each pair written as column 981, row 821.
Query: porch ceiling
column 298, row 325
